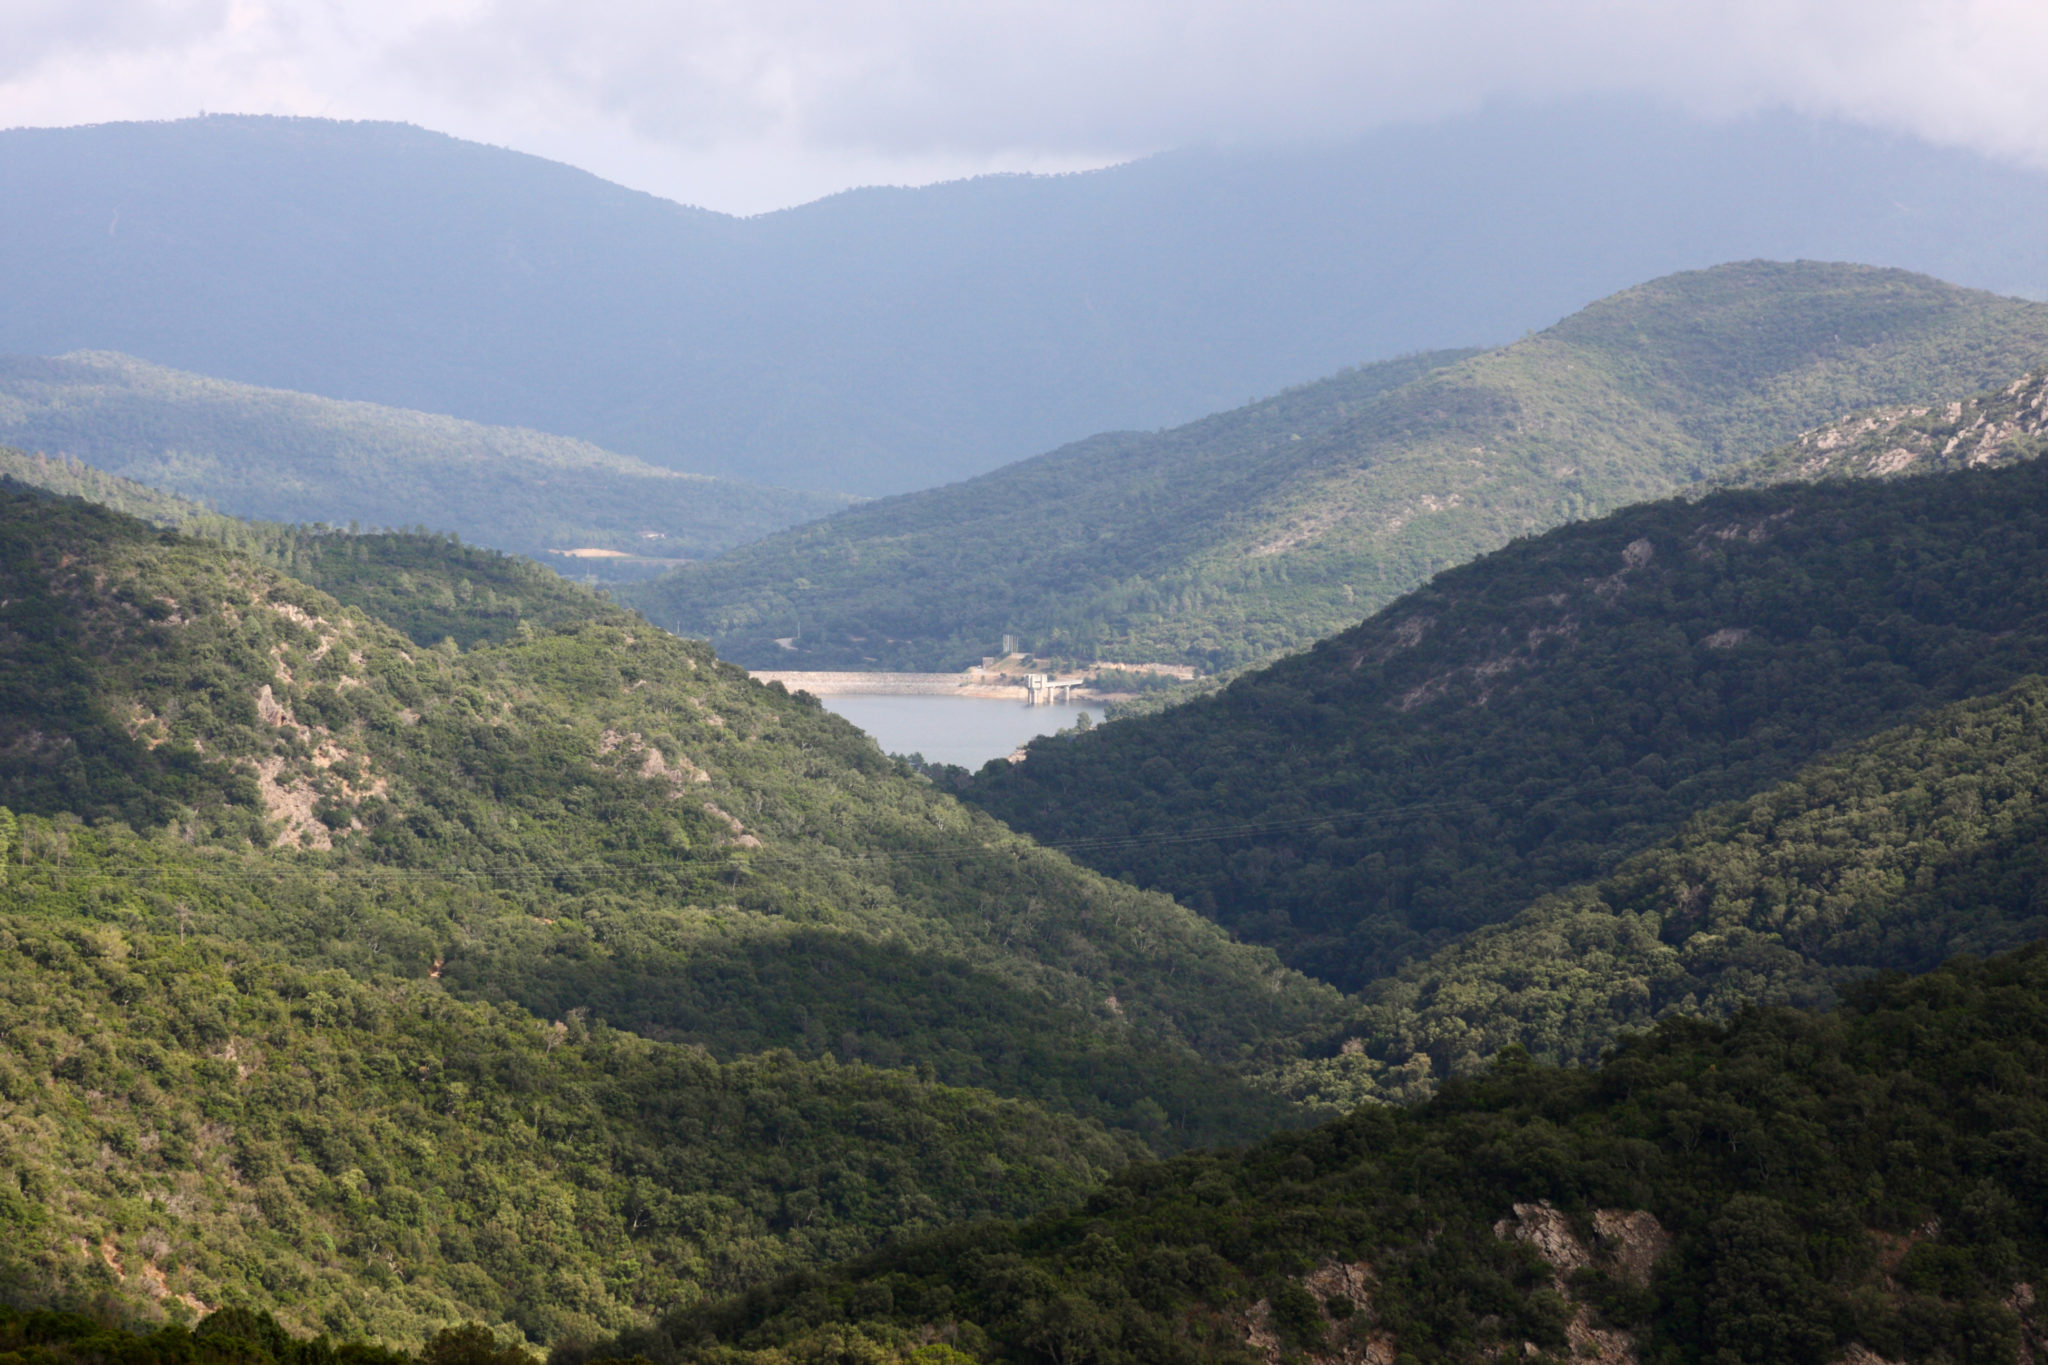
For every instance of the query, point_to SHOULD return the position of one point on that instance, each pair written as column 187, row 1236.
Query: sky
column 751, row 105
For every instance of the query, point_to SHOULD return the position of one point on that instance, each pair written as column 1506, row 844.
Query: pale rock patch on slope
column 1356, row 1338
column 677, row 772
column 1635, row 1239
column 292, row 790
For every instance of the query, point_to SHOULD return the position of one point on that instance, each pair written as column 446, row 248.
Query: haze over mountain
column 292, row 457
column 883, row 340
column 1259, row 530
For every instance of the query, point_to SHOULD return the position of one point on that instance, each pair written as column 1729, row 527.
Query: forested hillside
column 430, row 587
column 292, row 457
column 1527, row 721
column 1252, row 533
column 400, row 936
column 1914, row 846
column 387, row 981
column 192, row 1123
column 1787, row 1189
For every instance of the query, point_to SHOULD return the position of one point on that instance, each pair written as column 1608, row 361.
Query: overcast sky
column 746, row 105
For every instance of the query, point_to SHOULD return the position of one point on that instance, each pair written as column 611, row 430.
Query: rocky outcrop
column 1352, row 1334
column 1628, row 1244
column 1995, row 428
column 677, row 772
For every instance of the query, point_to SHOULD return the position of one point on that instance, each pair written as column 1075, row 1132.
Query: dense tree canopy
column 1528, row 720
column 1782, row 1189
column 386, row 982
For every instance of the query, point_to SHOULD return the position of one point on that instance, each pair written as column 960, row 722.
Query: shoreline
column 845, row 684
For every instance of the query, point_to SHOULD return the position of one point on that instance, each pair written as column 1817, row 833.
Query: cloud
column 36, row 32
column 788, row 97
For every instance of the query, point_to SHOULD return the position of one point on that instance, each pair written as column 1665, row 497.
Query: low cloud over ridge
column 746, row 106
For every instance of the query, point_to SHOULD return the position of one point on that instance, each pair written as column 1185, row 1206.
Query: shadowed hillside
column 1912, row 847
column 1524, row 722
column 1790, row 1187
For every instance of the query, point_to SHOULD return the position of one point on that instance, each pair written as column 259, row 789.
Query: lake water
column 968, row 731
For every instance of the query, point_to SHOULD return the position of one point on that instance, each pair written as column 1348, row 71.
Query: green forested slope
column 496, row 866
column 431, row 587
column 189, row 1123
column 1526, row 721
column 1914, row 846
column 1256, row 531
column 294, row 457
column 681, row 818
column 1787, row 1189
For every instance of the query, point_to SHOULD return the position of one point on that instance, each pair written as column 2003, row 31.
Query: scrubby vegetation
column 1255, row 532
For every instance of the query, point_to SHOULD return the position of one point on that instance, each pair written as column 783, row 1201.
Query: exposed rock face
column 1629, row 1244
column 1991, row 429
column 653, row 766
column 740, row 837
column 2033, row 1331
column 1858, row 1354
column 311, row 767
column 1352, row 1337
column 1633, row 1240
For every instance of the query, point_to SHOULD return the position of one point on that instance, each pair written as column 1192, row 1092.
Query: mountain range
column 1260, row 530
column 1593, row 912
column 885, row 340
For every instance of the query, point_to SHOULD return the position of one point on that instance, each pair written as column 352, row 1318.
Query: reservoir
column 968, row 731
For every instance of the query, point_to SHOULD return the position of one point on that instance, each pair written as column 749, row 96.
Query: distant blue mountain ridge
column 883, row 340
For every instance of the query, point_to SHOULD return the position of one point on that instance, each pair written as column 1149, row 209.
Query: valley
column 377, row 926
column 1526, row 852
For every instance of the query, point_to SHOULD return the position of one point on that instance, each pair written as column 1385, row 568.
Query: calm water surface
column 965, row 730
